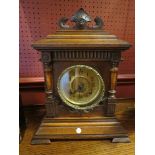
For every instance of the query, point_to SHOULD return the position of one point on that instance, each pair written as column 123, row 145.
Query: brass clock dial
column 81, row 87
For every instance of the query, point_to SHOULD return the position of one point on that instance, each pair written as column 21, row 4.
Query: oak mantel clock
column 80, row 67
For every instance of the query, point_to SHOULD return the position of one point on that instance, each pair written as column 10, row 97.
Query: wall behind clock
column 39, row 17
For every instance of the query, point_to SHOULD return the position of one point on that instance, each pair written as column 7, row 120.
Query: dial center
column 81, row 87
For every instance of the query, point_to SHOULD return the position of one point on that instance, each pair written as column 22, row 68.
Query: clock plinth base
column 79, row 128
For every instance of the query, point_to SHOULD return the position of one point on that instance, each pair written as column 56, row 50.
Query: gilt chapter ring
column 95, row 101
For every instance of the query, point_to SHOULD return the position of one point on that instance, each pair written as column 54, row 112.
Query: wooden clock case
column 74, row 46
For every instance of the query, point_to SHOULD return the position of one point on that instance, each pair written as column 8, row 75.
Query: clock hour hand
column 80, row 87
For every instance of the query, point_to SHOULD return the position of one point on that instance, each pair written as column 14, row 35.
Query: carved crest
column 80, row 18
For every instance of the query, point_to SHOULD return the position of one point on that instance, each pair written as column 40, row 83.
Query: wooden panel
column 102, row 67
column 97, row 130
column 64, row 128
column 125, row 90
column 32, row 97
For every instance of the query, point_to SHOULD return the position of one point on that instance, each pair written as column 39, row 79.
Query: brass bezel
column 91, row 105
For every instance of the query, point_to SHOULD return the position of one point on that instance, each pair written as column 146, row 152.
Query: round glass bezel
column 93, row 102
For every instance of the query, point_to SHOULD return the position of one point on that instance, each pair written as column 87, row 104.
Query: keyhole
column 78, row 130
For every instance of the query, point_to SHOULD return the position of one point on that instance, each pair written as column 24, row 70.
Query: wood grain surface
column 124, row 111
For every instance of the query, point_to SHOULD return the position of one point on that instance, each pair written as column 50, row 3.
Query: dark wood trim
column 124, row 79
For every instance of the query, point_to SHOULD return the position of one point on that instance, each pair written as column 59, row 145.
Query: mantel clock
column 80, row 68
